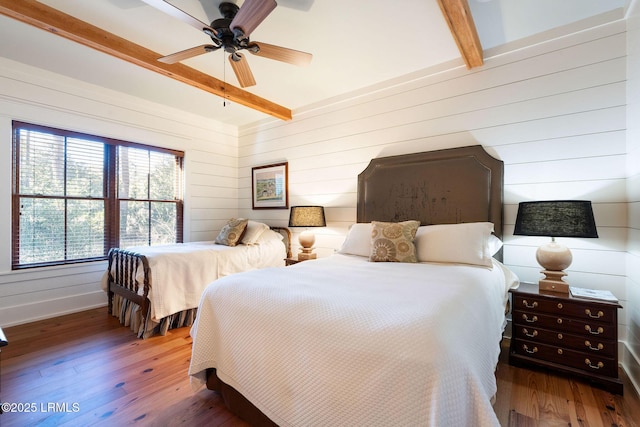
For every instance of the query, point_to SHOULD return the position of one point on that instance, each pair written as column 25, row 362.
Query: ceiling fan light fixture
column 231, row 33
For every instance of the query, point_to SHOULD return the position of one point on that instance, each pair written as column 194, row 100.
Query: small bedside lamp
column 307, row 216
column 558, row 218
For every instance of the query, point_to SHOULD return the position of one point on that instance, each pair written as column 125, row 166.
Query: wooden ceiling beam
column 463, row 29
column 54, row 21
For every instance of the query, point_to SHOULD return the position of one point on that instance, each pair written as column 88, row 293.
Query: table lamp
column 556, row 218
column 307, row 216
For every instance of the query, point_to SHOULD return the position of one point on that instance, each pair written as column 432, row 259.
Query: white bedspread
column 342, row 341
column 181, row 272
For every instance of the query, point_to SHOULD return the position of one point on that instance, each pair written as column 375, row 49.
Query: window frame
column 110, row 189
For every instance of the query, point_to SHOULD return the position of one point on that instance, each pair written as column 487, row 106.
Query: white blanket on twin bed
column 181, row 272
column 343, row 341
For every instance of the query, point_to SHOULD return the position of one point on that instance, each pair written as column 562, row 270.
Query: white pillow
column 466, row 243
column 253, row 232
column 358, row 240
column 494, row 244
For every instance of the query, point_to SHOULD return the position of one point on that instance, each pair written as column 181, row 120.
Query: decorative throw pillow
column 232, row 232
column 393, row 241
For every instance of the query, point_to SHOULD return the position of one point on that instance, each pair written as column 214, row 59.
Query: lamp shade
column 556, row 218
column 307, row 216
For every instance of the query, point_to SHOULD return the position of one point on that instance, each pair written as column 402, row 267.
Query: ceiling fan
column 231, row 34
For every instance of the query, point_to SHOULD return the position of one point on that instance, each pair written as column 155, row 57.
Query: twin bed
column 153, row 289
column 345, row 340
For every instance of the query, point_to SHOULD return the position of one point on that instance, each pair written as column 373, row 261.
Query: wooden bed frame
column 123, row 270
column 437, row 187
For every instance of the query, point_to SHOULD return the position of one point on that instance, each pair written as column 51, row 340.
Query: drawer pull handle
column 526, row 304
column 597, row 316
column 560, row 351
column 598, row 366
column 590, row 347
column 532, row 320
column 530, row 335
column 560, row 305
column 596, row 332
column 525, row 348
column 560, row 336
column 559, row 321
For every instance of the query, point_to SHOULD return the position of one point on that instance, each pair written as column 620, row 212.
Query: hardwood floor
column 542, row 398
column 85, row 369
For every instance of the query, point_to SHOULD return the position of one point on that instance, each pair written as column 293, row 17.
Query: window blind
column 71, row 205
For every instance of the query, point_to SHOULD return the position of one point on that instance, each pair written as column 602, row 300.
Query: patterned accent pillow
column 232, row 232
column 393, row 241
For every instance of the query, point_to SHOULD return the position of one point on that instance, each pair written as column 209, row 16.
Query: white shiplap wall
column 631, row 359
column 555, row 113
column 40, row 97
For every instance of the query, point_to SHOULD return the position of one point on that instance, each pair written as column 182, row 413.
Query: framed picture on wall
column 269, row 186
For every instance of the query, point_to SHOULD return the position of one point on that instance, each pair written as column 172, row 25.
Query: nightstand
column 291, row 261
column 573, row 335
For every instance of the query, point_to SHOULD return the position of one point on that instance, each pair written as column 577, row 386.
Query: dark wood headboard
column 436, row 187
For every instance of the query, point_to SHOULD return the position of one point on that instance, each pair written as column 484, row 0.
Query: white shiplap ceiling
column 355, row 44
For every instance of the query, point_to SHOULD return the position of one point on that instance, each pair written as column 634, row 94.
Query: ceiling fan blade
column 242, row 70
column 188, row 53
column 251, row 14
column 172, row 10
column 290, row 56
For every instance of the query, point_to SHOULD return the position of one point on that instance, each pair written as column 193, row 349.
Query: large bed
column 346, row 340
column 152, row 289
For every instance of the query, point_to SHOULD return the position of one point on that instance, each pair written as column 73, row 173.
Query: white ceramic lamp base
column 306, row 239
column 554, row 258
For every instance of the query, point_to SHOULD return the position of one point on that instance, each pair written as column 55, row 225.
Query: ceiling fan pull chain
column 224, row 81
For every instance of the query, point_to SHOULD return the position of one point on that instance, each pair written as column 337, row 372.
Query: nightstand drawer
column 566, row 324
column 604, row 348
column 584, row 309
column 586, row 362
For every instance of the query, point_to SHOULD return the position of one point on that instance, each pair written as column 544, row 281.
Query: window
column 77, row 195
